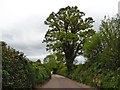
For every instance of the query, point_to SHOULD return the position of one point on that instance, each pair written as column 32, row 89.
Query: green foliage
column 103, row 53
column 110, row 31
column 102, row 50
column 94, row 75
column 93, row 47
column 20, row 72
column 53, row 61
column 15, row 68
column 67, row 32
column 39, row 73
column 62, row 69
column 104, row 45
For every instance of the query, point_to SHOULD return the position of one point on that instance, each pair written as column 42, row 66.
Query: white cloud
column 26, row 36
column 22, row 21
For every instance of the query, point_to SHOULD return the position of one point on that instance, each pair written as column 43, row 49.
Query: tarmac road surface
column 58, row 81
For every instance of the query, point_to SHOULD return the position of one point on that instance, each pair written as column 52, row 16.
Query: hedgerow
column 19, row 72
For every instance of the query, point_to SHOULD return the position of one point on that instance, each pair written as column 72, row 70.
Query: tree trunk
column 69, row 64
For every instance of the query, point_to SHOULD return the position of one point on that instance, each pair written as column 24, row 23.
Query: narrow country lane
column 58, row 81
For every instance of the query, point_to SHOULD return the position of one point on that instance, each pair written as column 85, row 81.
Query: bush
column 62, row 70
column 97, row 77
column 20, row 72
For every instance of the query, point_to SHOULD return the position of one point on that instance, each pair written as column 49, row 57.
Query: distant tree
column 39, row 61
column 51, row 62
column 67, row 32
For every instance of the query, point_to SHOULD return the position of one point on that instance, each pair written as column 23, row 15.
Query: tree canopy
column 105, row 45
column 67, row 32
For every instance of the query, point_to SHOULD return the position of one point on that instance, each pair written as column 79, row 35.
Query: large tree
column 67, row 32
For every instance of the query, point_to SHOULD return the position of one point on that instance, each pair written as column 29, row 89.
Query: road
column 58, row 81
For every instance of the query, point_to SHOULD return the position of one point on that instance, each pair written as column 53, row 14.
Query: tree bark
column 69, row 64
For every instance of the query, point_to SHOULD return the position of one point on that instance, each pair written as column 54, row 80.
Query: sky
column 22, row 21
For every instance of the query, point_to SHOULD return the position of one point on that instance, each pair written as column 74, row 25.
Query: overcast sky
column 22, row 21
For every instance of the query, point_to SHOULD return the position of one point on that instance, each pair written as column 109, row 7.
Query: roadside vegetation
column 68, row 29
column 71, row 36
column 102, row 50
column 19, row 72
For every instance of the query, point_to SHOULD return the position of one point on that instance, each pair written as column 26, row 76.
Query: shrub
column 19, row 72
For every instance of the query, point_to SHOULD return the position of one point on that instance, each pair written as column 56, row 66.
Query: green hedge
column 40, row 73
column 19, row 72
column 94, row 75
